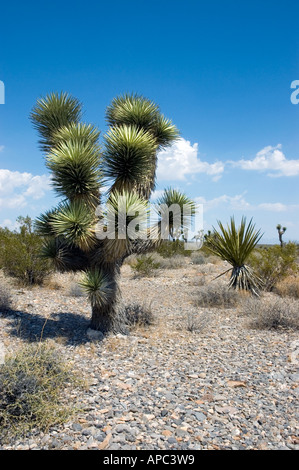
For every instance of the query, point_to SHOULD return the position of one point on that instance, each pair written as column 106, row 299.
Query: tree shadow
column 69, row 327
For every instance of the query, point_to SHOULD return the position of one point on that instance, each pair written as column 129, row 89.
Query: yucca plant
column 234, row 245
column 178, row 221
column 77, row 231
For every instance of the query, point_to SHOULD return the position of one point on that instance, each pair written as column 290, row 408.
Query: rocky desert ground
column 192, row 377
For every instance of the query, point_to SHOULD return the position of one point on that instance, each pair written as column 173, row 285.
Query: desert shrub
column 195, row 322
column 32, row 383
column 288, row 287
column 274, row 263
column 272, row 312
column 75, row 290
column 168, row 249
column 145, row 265
column 198, row 258
column 139, row 315
column 20, row 253
column 5, row 299
column 216, row 295
column 175, row 262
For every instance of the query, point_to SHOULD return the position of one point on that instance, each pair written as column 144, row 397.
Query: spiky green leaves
column 53, row 112
column 176, row 211
column 125, row 219
column 72, row 222
column 234, row 245
column 97, row 287
column 75, row 170
column 136, row 110
column 128, row 156
column 75, row 223
column 137, row 131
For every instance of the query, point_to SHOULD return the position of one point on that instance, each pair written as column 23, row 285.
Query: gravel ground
column 162, row 387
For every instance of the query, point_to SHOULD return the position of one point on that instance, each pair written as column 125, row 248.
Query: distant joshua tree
column 281, row 231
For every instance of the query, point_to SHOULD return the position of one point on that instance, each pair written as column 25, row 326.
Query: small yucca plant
column 234, row 245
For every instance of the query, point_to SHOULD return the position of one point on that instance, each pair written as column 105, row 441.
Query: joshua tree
column 179, row 216
column 234, row 245
column 281, row 231
column 77, row 229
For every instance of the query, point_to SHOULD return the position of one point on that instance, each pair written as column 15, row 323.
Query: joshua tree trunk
column 107, row 315
column 102, row 318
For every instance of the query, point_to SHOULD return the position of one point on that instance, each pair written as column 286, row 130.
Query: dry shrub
column 289, row 287
column 175, row 262
column 196, row 322
column 216, row 294
column 32, row 384
column 139, row 315
column 272, row 312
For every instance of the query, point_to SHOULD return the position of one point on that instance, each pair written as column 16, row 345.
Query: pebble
column 162, row 386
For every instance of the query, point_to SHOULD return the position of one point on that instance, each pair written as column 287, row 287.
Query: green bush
column 274, row 263
column 145, row 265
column 32, row 383
column 20, row 253
column 168, row 249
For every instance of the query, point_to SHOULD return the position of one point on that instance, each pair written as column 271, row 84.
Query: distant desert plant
column 216, row 295
column 272, row 312
column 198, row 258
column 274, row 263
column 288, row 287
column 168, row 248
column 174, row 262
column 145, row 265
column 281, row 230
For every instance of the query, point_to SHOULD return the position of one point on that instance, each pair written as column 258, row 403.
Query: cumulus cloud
column 272, row 160
column 17, row 188
column 181, row 159
column 239, row 203
column 236, row 202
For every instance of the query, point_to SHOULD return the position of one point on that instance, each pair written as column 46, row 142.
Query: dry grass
column 32, row 384
column 216, row 294
column 272, row 312
column 288, row 287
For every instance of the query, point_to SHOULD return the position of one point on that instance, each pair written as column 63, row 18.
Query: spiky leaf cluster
column 234, row 245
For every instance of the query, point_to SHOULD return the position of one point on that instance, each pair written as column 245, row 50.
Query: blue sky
column 222, row 71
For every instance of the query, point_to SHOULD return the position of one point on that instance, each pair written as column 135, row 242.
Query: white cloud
column 273, row 206
column 239, row 203
column 17, row 188
column 181, row 159
column 1, row 148
column 234, row 202
column 270, row 159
